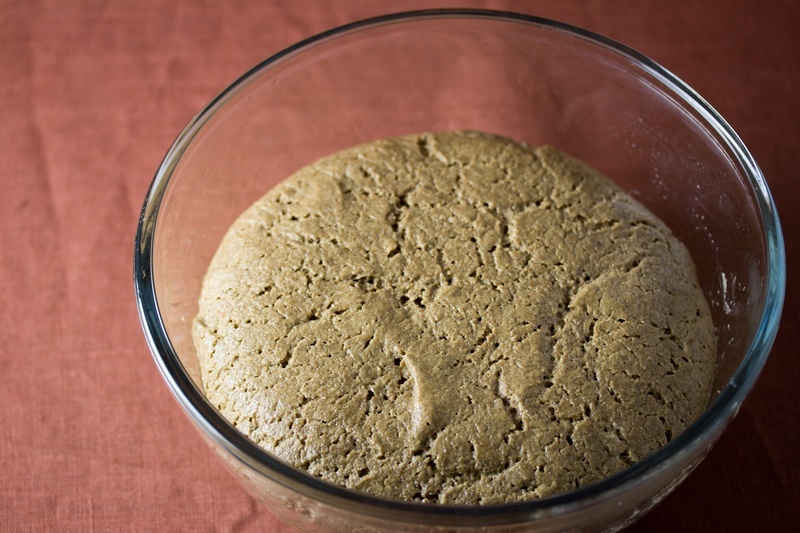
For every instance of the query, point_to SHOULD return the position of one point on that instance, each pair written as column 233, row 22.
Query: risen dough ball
column 454, row 318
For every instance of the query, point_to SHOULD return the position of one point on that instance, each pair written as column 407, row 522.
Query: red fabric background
column 92, row 94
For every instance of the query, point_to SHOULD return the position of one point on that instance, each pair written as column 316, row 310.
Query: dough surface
column 454, row 318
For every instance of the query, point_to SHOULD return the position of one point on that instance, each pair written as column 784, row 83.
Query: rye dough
column 454, row 318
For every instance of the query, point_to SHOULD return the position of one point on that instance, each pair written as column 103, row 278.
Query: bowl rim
column 703, row 430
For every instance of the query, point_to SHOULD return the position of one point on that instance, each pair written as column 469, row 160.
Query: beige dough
column 454, row 318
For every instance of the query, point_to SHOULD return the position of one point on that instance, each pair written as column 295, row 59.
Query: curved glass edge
column 192, row 400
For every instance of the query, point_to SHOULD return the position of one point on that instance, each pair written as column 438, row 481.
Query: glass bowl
column 527, row 78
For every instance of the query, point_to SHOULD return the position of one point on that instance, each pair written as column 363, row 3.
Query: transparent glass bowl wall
column 530, row 79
